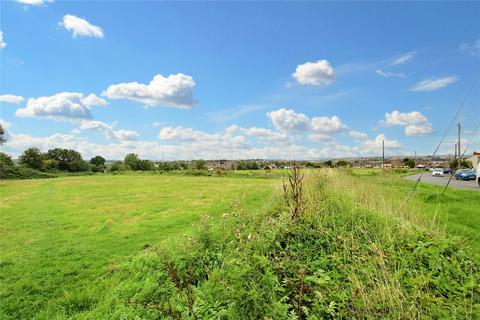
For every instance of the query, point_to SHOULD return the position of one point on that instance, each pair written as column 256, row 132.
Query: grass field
column 60, row 236
column 63, row 240
column 456, row 212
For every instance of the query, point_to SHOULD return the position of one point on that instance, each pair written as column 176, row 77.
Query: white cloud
column 199, row 142
column 195, row 150
column 93, row 100
column 3, row 44
column 289, row 120
column 419, row 130
column 404, row 58
column 473, row 48
column 415, row 123
column 61, row 106
column 326, row 125
column 403, row 119
column 81, row 27
column 5, row 124
column 109, row 131
column 434, row 84
column 128, row 135
column 317, row 128
column 33, row 2
column 320, row 137
column 315, row 73
column 376, row 144
column 357, row 135
column 10, row 98
column 180, row 134
column 176, row 90
column 388, row 74
column 260, row 133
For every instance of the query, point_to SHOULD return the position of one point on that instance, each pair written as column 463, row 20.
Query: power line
column 465, row 98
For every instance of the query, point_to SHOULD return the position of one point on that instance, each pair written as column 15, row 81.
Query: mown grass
column 59, row 237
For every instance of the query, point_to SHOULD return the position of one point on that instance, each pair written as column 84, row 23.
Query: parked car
column 478, row 174
column 447, row 171
column 437, row 172
column 465, row 174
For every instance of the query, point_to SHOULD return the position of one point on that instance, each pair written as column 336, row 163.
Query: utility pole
column 415, row 161
column 458, row 144
column 383, row 156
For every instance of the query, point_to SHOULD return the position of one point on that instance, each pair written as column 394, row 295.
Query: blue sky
column 237, row 80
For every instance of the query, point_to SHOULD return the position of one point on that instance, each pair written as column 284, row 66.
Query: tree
column 200, row 164
column 131, row 160
column 32, row 158
column 145, row 165
column 68, row 159
column 98, row 161
column 118, row 166
column 466, row 164
column 2, row 135
column 241, row 165
column 341, row 163
column 410, row 163
column 253, row 165
column 328, row 163
column 454, row 164
column 5, row 160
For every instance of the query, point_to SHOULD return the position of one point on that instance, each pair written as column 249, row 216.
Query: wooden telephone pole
column 458, row 144
column 383, row 156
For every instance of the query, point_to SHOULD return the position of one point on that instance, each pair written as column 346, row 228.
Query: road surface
column 427, row 177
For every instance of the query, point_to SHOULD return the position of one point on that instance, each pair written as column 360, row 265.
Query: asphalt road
column 427, row 177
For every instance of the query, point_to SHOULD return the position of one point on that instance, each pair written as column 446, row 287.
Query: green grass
column 59, row 237
column 130, row 245
column 352, row 253
column 456, row 212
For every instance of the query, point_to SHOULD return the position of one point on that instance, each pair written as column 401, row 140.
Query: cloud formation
column 260, row 133
column 415, row 123
column 358, row 135
column 473, row 48
column 404, row 58
column 176, row 91
column 3, row 44
column 388, row 74
column 10, row 98
column 315, row 73
column 123, row 135
column 33, row 2
column 81, row 27
column 317, row 128
column 61, row 106
column 371, row 146
column 289, row 120
column 434, row 84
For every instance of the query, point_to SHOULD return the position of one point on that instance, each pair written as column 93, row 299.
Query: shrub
column 5, row 160
column 20, row 172
column 32, row 158
column 118, row 166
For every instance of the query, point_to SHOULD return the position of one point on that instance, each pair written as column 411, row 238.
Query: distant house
column 475, row 158
column 421, row 166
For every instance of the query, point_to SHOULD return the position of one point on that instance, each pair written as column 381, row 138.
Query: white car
column 478, row 174
column 437, row 172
